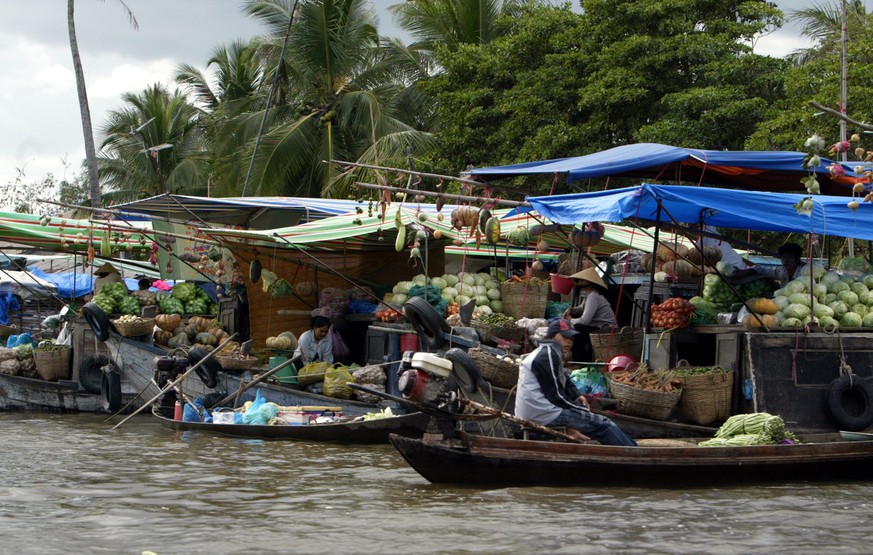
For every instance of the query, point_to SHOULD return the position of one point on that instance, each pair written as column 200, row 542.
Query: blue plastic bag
column 589, row 382
column 192, row 414
column 260, row 412
column 20, row 339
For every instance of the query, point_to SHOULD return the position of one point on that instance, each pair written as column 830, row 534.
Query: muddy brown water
column 70, row 484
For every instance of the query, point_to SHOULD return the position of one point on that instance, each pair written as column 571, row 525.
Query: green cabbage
column 799, row 298
column 451, row 279
column 867, row 321
column 840, row 308
column 838, row 287
column 493, row 294
column 858, row 288
column 496, row 306
column 867, row 279
column 450, row 292
column 790, row 323
column 795, row 286
column 859, row 309
column 851, row 320
column 848, row 297
column 828, row 323
column 439, row 283
column 822, row 310
column 798, row 311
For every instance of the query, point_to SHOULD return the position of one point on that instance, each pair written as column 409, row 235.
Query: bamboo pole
column 521, row 421
column 463, row 198
column 178, row 380
column 257, row 379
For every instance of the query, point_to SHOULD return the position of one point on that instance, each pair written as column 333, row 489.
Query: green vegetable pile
column 684, row 371
column 758, row 428
column 496, row 319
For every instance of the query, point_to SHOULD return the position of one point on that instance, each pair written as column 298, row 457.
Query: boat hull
column 364, row 432
column 501, row 462
column 30, row 394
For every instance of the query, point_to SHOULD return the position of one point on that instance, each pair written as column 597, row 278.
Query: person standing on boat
column 546, row 395
column 315, row 344
column 593, row 315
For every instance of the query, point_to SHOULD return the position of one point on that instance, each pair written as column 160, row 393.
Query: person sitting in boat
column 315, row 344
column 106, row 274
column 546, row 395
column 594, row 314
column 790, row 255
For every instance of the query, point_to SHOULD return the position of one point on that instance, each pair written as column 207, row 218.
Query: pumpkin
column 279, row 343
column 305, row 288
column 168, row 322
column 178, row 341
column 764, row 306
column 201, row 323
column 290, row 336
column 695, row 256
column 754, row 321
column 646, row 262
column 217, row 332
column 672, row 251
column 190, row 330
column 582, row 239
column 162, row 337
column 205, row 339
column 543, row 246
column 681, row 268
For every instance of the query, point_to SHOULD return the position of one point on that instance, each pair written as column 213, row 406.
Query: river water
column 71, row 484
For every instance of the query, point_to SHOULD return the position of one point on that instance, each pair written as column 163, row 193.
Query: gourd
column 764, row 306
column 484, row 216
column 205, row 338
column 492, row 230
column 180, row 340
column 681, row 268
column 305, row 288
column 754, row 321
column 200, row 323
column 279, row 343
column 219, row 333
column 168, row 322
column 290, row 336
column 255, row 271
column 587, row 238
column 518, row 237
column 162, row 337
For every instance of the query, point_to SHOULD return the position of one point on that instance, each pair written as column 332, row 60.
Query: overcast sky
column 39, row 110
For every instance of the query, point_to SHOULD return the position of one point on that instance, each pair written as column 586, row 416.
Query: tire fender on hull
column 208, row 371
column 110, row 387
column 91, row 373
column 850, row 403
column 97, row 320
column 428, row 323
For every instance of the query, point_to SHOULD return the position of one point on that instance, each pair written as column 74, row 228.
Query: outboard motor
column 423, row 378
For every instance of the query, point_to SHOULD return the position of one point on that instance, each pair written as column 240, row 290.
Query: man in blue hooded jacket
column 546, row 395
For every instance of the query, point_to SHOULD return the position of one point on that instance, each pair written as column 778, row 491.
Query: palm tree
column 450, row 23
column 823, row 24
column 341, row 99
column 153, row 146
column 90, row 151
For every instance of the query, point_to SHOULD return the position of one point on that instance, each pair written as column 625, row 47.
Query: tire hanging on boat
column 110, row 387
column 464, row 370
column 208, row 371
column 91, row 373
column 850, row 402
column 97, row 320
column 428, row 323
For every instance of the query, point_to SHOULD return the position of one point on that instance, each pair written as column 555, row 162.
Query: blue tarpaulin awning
column 730, row 208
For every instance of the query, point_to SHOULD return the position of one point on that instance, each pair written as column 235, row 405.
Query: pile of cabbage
column 835, row 301
column 460, row 289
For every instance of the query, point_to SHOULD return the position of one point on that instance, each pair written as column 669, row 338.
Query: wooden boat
column 358, row 432
column 18, row 393
column 486, row 461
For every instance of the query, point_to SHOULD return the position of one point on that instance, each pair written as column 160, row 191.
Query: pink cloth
column 162, row 285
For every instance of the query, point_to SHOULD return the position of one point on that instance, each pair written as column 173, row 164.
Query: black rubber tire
column 91, row 372
column 208, row 371
column 850, row 402
column 464, row 370
column 110, row 388
column 428, row 323
column 97, row 320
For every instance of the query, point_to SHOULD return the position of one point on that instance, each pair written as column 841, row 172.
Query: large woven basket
column 627, row 341
column 635, row 401
column 234, row 363
column 706, row 398
column 489, row 333
column 526, row 299
column 52, row 365
column 495, row 370
column 135, row 328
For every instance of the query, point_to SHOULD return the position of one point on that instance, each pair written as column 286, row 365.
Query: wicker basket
column 493, row 334
column 234, row 363
column 135, row 328
column 495, row 370
column 6, row 331
column 52, row 365
column 706, row 398
column 627, row 341
column 525, row 299
column 635, row 401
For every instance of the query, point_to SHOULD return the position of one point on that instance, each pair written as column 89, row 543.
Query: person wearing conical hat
column 594, row 314
column 106, row 274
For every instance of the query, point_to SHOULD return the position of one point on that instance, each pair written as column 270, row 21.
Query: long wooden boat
column 358, row 432
column 486, row 461
column 18, row 393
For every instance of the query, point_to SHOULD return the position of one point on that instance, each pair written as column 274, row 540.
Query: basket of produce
column 499, row 370
column 496, row 325
column 673, row 313
column 706, row 393
column 627, row 341
column 52, row 361
column 235, row 361
column 523, row 297
column 647, row 394
column 134, row 326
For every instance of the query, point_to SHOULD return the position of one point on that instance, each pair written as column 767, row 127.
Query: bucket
column 561, row 285
column 287, row 375
column 408, row 342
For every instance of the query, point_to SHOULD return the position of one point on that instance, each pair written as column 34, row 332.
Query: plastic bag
column 192, row 414
column 336, row 382
column 20, row 339
column 312, row 373
column 589, row 382
column 260, row 411
column 340, row 349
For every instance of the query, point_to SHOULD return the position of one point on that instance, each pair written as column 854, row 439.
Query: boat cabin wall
column 270, row 316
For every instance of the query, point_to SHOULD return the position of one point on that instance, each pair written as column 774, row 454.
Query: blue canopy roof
column 731, row 208
column 761, row 170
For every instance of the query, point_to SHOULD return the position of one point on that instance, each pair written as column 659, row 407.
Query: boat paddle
column 178, row 380
column 521, row 421
column 258, row 378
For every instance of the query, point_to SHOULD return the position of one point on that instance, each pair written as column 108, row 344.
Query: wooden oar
column 522, row 421
column 245, row 386
column 178, row 380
